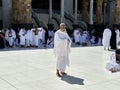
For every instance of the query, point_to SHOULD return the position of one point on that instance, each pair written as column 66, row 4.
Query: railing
column 69, row 16
column 38, row 22
column 56, row 18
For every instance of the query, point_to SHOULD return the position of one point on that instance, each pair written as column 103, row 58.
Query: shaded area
column 73, row 80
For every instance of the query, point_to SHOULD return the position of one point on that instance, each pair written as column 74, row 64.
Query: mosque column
column 117, row 13
column 21, row 13
column 76, row 10
column 75, row 24
column 91, row 12
column 6, row 13
column 62, row 12
column 99, row 13
column 85, row 10
column 50, row 23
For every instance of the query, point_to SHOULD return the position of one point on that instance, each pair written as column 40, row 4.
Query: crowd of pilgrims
column 37, row 37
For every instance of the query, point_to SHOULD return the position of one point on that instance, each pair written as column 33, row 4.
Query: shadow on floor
column 73, row 80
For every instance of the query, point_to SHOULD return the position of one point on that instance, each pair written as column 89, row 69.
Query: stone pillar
column 76, row 10
column 62, row 12
column 117, row 12
column 50, row 23
column 85, row 11
column 21, row 14
column 6, row 13
column 75, row 24
column 104, row 15
column 90, row 25
column 50, row 8
column 91, row 12
column 69, row 6
column 110, row 12
column 99, row 13
column 50, row 12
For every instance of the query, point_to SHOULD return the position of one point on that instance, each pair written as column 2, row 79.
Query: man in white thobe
column 106, row 38
column 114, row 64
column 10, row 36
column 83, row 38
column 32, row 40
column 62, row 44
column 22, row 34
column 50, row 41
column 28, row 37
column 117, row 36
column 77, row 36
column 36, row 31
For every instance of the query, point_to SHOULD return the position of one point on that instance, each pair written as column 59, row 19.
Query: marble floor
column 34, row 69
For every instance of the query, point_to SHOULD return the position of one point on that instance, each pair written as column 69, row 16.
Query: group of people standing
column 111, row 38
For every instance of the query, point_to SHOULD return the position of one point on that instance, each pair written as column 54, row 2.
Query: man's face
column 63, row 27
column 118, row 58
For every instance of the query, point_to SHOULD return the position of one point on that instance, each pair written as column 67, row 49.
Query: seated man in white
column 114, row 64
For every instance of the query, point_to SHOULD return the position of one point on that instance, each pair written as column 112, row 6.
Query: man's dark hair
column 117, row 51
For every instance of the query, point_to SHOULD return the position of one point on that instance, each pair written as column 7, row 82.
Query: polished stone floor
column 34, row 69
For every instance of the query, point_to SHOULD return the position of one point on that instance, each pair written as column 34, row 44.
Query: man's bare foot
column 58, row 73
column 113, row 70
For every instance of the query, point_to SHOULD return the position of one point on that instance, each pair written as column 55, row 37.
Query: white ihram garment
column 62, row 49
column 112, row 63
column 10, row 39
column 76, row 36
column 106, row 38
column 22, row 34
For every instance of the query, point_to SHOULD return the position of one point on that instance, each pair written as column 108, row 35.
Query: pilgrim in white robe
column 51, row 33
column 62, row 49
column 32, row 40
column 83, row 39
column 50, row 41
column 36, row 33
column 43, row 35
column 10, row 36
column 112, row 63
column 40, row 36
column 117, row 36
column 92, row 40
column 28, row 37
column 77, row 36
column 106, row 38
column 22, row 34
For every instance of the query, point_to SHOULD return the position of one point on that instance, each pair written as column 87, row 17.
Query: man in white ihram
column 10, row 36
column 114, row 63
column 106, row 38
column 62, row 45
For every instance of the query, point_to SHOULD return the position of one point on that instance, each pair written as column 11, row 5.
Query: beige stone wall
column 85, row 11
column 21, row 11
column 117, row 12
column 99, row 13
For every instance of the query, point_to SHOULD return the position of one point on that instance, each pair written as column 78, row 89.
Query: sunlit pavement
column 35, row 69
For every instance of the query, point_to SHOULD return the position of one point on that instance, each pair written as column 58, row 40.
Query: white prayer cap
column 62, row 24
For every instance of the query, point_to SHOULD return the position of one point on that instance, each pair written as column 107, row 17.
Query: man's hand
column 113, row 70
